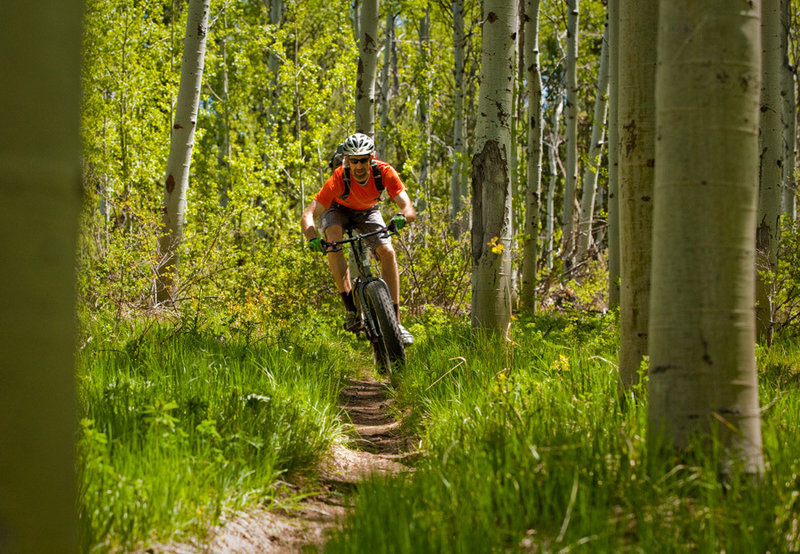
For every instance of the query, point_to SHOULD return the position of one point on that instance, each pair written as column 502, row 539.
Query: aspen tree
column 772, row 154
column 613, row 154
column 702, row 331
column 386, row 91
column 552, row 158
column 595, row 152
column 491, row 178
column 40, row 200
column 571, row 115
column 458, row 190
column 530, row 249
column 176, row 182
column 788, row 116
column 424, row 104
column 367, row 68
column 638, row 21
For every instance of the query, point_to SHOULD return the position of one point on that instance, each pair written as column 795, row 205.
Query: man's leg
column 341, row 275
column 337, row 261
column 390, row 274
column 389, row 271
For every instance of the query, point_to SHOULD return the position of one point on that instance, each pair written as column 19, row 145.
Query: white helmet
column 358, row 144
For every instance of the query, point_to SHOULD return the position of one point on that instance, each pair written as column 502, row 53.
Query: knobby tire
column 389, row 350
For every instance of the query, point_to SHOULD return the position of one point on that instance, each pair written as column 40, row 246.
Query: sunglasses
column 356, row 161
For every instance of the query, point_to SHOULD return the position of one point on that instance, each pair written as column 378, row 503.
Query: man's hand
column 397, row 222
column 315, row 245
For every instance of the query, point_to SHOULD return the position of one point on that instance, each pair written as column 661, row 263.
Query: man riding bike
column 351, row 195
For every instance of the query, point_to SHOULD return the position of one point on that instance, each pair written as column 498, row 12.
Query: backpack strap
column 376, row 174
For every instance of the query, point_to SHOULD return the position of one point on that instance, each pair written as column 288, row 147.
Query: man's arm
column 313, row 210
column 403, row 203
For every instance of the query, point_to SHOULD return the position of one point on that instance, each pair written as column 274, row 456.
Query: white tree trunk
column 275, row 8
column 613, row 154
column 552, row 156
column 367, row 68
column 386, row 90
column 491, row 179
column 702, row 331
column 355, row 15
column 176, row 182
column 424, row 106
column 638, row 21
column 789, row 203
column 571, row 114
column 595, row 153
column 458, row 188
column 40, row 189
column 772, row 153
column 530, row 241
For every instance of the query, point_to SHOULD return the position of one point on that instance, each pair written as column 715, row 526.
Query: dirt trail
column 376, row 447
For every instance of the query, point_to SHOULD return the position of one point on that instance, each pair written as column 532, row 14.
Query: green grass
column 179, row 427
column 531, row 451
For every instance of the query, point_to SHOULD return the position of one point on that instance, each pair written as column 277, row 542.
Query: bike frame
column 364, row 277
column 361, row 262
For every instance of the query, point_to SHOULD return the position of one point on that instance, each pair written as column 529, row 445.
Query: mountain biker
column 351, row 194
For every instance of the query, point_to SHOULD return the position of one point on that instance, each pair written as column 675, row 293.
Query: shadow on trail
column 371, row 416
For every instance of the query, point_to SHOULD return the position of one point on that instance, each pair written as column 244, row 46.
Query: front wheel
column 388, row 346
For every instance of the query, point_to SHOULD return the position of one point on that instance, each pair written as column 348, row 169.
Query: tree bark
column 613, row 154
column 638, row 20
column 367, row 68
column 40, row 187
column 275, row 8
column 386, row 90
column 571, row 114
column 702, row 331
column 458, row 191
column 770, row 178
column 530, row 240
column 491, row 179
column 595, row 153
column 788, row 115
column 424, row 105
column 176, row 182
column 552, row 155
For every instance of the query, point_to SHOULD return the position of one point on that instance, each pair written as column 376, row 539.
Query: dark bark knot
column 170, row 184
column 492, row 17
column 631, row 137
column 201, row 31
column 662, row 368
column 706, row 356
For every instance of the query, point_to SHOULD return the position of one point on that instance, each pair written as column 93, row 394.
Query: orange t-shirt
column 360, row 197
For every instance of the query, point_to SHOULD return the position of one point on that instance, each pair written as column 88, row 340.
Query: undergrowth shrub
column 786, row 282
column 435, row 267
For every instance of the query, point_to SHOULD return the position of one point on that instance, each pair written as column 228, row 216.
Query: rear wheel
column 388, row 347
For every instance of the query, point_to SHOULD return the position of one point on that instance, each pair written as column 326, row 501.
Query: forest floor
column 376, row 446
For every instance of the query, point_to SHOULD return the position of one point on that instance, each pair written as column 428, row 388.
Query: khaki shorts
column 365, row 221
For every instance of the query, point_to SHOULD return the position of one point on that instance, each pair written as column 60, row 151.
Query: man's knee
column 334, row 233
column 385, row 252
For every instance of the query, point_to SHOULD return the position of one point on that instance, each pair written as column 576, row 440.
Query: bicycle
column 373, row 302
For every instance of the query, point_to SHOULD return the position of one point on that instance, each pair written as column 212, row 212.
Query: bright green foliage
column 527, row 449
column 178, row 428
column 785, row 282
column 435, row 267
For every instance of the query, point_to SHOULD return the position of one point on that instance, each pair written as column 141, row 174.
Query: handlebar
column 337, row 245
